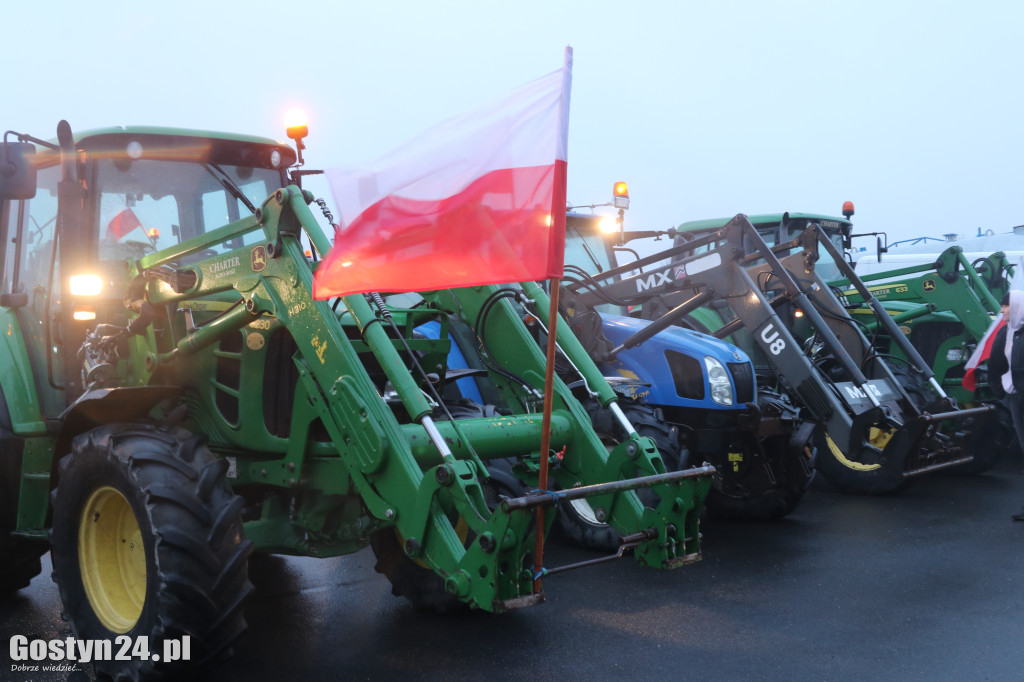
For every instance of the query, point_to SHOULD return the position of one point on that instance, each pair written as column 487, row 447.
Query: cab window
column 152, row 204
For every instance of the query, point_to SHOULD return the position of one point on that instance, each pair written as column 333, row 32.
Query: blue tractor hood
column 672, row 367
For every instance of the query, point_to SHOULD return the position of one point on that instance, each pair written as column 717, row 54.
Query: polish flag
column 984, row 348
column 121, row 224
column 981, row 353
column 477, row 199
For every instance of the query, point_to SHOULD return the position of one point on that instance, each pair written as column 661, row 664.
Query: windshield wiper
column 586, row 248
column 229, row 184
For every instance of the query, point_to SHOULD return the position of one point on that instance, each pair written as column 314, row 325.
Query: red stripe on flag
column 121, row 224
column 506, row 226
column 981, row 354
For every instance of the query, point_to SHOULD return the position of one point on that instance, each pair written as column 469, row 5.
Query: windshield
column 152, row 204
column 585, row 246
column 686, row 237
column 826, row 265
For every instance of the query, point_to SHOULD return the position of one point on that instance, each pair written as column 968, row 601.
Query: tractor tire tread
column 197, row 581
column 19, row 557
column 418, row 584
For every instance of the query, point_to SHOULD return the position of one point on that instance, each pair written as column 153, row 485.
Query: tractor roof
column 184, row 144
column 762, row 219
column 177, row 132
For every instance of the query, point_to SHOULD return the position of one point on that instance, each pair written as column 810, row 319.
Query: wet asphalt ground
column 926, row 585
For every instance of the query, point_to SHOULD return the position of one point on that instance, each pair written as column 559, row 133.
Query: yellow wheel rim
column 112, row 559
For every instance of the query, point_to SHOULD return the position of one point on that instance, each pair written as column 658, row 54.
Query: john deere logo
column 929, row 285
column 259, row 258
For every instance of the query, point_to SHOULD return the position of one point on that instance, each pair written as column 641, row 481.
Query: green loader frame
column 173, row 399
column 944, row 308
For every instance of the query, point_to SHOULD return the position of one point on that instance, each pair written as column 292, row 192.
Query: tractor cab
column 779, row 228
column 78, row 210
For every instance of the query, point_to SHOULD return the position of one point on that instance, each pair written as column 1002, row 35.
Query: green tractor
column 941, row 308
column 173, row 399
column 944, row 307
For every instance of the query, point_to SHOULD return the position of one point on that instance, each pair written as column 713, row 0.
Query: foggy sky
column 911, row 110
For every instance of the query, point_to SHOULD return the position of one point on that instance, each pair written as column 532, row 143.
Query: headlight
column 718, row 377
column 86, row 285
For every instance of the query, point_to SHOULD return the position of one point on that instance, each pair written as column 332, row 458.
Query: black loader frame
column 871, row 437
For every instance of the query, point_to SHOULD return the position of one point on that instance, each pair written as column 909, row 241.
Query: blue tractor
column 695, row 395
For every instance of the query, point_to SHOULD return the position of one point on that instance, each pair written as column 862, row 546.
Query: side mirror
column 17, row 170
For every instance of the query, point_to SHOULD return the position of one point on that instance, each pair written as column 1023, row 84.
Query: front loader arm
column 584, row 458
column 428, row 491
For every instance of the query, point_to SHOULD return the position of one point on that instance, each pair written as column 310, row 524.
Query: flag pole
column 556, row 245
column 545, row 432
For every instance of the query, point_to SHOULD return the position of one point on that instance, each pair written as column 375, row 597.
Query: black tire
column 916, row 387
column 577, row 519
column 745, row 493
column 865, row 472
column 19, row 557
column 415, row 581
column 163, row 489
column 993, row 438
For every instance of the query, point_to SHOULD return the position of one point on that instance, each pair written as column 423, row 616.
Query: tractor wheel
column 994, row 440
column 147, row 542
column 916, row 386
column 743, row 490
column 413, row 579
column 410, row 579
column 19, row 557
column 864, row 472
column 576, row 518
column 986, row 444
column 578, row 521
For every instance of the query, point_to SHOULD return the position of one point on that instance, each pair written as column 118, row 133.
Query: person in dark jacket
column 1006, row 364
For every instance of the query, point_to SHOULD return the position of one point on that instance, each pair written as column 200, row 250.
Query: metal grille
column 743, row 375
column 686, row 374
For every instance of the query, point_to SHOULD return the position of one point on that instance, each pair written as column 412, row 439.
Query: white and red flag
column 981, row 354
column 984, row 348
column 477, row 199
column 121, row 224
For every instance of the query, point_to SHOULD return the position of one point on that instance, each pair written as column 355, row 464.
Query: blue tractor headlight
column 718, row 377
